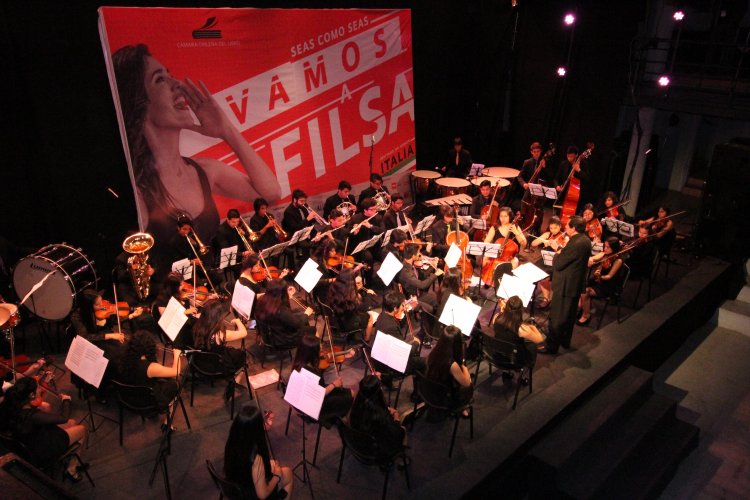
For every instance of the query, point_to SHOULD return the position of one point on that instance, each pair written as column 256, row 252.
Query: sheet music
column 183, row 267
column 263, row 379
column 617, row 226
column 173, row 319
column 228, row 257
column 487, row 249
column 308, row 275
column 539, row 190
column 424, row 224
column 86, row 360
column 454, row 253
column 460, row 313
column 274, row 250
column 363, row 245
column 391, row 351
column 511, row 285
column 389, row 268
column 242, row 299
column 301, row 235
column 547, row 257
column 303, row 392
column 529, row 272
column 476, row 169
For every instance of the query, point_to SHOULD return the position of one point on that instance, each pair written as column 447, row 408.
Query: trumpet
column 195, row 241
column 318, row 218
column 277, row 228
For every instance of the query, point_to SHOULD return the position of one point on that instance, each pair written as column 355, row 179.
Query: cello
column 490, row 213
column 573, row 183
column 460, row 239
column 508, row 250
column 532, row 205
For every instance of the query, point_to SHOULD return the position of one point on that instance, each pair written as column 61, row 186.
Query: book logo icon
column 207, row 30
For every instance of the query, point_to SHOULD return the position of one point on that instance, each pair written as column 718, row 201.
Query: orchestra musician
column 510, row 327
column 390, row 323
column 376, row 186
column 593, row 226
column 482, row 200
column 172, row 287
column 184, row 245
column 553, row 239
column 446, row 365
column 415, row 286
column 262, row 223
column 211, row 334
column 506, row 229
column 342, row 195
column 298, row 216
column 363, row 226
column 459, row 160
column 371, row 415
column 124, row 281
column 274, row 310
column 350, row 310
column 641, row 258
column 606, row 207
column 228, row 235
column 321, row 253
column 662, row 228
column 444, row 224
column 527, row 171
column 606, row 277
column 563, row 172
column 336, row 230
column 395, row 216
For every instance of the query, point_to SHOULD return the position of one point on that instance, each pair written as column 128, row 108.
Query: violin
column 107, row 309
column 201, row 292
column 594, row 229
column 273, row 272
column 338, row 356
column 347, row 261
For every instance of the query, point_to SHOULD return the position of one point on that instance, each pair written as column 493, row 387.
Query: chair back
column 624, row 281
column 138, row 398
column 208, row 364
column 503, row 354
column 229, row 489
column 363, row 446
column 266, row 332
column 434, row 394
column 339, row 334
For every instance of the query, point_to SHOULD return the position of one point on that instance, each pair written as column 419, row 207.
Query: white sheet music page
column 173, row 319
column 391, row 351
column 303, row 391
column 242, row 299
column 183, row 267
column 460, row 313
column 511, row 285
column 86, row 360
column 454, row 253
column 530, row 272
column 389, row 268
column 228, row 257
column 308, row 275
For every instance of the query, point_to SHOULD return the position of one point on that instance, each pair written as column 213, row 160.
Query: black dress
column 165, row 389
column 336, row 404
column 525, row 348
column 41, row 434
column 387, row 432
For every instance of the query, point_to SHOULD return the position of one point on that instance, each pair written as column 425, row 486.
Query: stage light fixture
column 561, row 71
column 569, row 19
column 663, row 81
column 678, row 16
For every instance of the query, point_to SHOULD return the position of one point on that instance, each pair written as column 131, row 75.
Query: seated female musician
column 251, row 266
column 370, row 299
column 138, row 366
column 662, row 228
column 210, row 333
column 641, row 258
column 101, row 332
column 605, row 278
column 510, row 327
column 503, row 229
column 248, row 462
column 445, row 365
column 348, row 308
column 452, row 285
column 273, row 309
column 553, row 239
column 609, row 200
column 371, row 415
column 172, row 287
column 338, row 399
column 320, row 255
column 593, row 226
column 47, row 436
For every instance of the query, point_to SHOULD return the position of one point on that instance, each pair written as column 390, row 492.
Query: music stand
column 364, row 245
column 540, row 190
column 616, row 226
column 479, row 248
column 300, row 235
column 424, row 224
column 87, row 361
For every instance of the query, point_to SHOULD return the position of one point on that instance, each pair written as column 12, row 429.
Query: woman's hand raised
column 213, row 121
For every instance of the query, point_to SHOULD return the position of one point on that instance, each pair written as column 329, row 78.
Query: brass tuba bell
column 138, row 245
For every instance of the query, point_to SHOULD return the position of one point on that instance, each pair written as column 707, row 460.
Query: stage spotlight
column 569, row 19
column 678, row 16
column 561, row 71
column 663, row 81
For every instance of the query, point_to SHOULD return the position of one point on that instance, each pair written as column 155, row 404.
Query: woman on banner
column 156, row 108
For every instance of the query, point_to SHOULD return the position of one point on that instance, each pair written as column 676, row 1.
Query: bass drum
column 65, row 272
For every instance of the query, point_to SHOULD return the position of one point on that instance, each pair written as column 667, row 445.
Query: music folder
column 304, row 392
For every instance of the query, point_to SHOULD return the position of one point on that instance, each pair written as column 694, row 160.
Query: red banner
column 218, row 107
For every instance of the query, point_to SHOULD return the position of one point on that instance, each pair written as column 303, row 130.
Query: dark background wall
column 61, row 147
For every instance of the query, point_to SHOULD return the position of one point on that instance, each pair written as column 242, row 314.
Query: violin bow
column 117, row 310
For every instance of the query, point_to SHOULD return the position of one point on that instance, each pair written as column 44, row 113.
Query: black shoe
column 546, row 349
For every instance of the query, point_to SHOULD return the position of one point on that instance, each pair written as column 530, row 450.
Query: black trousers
column 562, row 318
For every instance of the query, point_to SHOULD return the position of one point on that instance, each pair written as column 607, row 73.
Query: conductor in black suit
column 569, row 269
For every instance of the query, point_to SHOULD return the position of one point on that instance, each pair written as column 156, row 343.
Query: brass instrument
column 347, row 209
column 196, row 242
column 382, row 201
column 252, row 236
column 318, row 218
column 138, row 245
column 277, row 228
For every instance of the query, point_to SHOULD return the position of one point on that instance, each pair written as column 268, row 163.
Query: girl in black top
column 210, row 333
column 273, row 309
column 348, row 307
column 248, row 462
column 509, row 326
column 46, row 436
column 338, row 399
column 371, row 415
column 172, row 288
column 445, row 365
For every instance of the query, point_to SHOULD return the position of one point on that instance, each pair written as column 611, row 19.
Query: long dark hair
column 342, row 294
column 246, row 440
column 15, row 399
column 369, row 411
column 308, row 352
column 512, row 315
column 268, row 305
column 449, row 348
column 86, row 309
column 130, row 72
column 451, row 283
column 211, row 322
column 141, row 343
column 170, row 287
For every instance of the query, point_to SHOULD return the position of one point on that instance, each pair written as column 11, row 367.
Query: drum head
column 61, row 272
column 426, row 174
column 453, row 182
column 4, row 316
column 493, row 180
column 503, row 172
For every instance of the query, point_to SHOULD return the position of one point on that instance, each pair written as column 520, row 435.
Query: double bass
column 573, row 183
column 532, row 205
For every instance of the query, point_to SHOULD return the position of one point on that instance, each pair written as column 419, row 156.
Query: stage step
column 591, row 466
column 630, row 389
column 744, row 295
column 660, row 453
column 735, row 315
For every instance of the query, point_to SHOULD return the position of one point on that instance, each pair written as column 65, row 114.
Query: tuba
column 138, row 245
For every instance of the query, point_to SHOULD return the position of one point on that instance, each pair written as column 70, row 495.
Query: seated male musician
column 444, row 224
column 296, row 217
column 482, row 200
column 395, row 216
column 341, row 196
column 336, row 230
column 363, row 226
column 389, row 322
column 564, row 172
column 228, row 235
column 376, row 186
column 184, row 245
column 262, row 223
column 414, row 285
